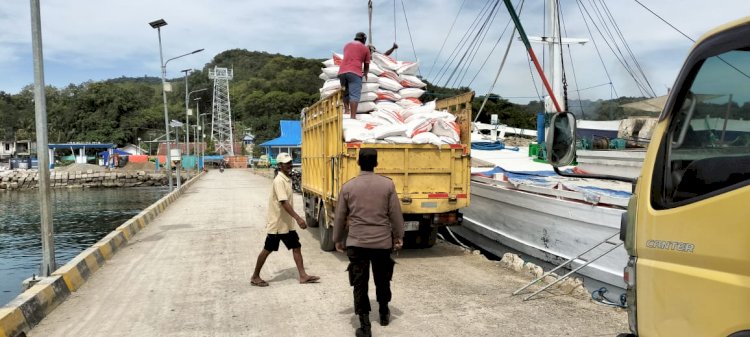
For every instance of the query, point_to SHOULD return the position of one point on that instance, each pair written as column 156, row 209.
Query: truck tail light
column 629, row 276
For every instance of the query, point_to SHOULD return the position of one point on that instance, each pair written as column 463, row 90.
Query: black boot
column 385, row 314
column 365, row 328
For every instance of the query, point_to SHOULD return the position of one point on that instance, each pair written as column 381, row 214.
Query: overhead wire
column 491, row 51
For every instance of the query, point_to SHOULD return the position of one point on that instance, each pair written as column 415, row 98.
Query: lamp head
column 158, row 23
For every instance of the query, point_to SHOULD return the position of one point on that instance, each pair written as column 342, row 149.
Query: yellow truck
column 687, row 228
column 432, row 182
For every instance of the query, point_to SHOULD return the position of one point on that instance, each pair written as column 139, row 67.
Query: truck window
column 709, row 152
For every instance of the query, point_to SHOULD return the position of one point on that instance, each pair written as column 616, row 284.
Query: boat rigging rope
column 502, row 65
column 464, row 39
column 394, row 26
column 596, row 46
column 410, row 37
column 446, row 37
column 562, row 58
column 622, row 61
column 688, row 37
column 369, row 16
column 474, row 42
column 573, row 68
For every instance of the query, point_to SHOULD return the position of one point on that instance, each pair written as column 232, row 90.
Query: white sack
column 375, row 69
column 392, row 130
column 411, row 81
column 405, row 103
column 410, row 92
column 384, row 62
column 427, row 138
column 368, row 96
column 398, row 140
column 387, row 83
column 370, row 87
column 331, row 72
column 383, row 94
column 450, row 130
column 357, row 135
column 418, row 126
column 408, row 68
column 365, row 107
column 331, row 85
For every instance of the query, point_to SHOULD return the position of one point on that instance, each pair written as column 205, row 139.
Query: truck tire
column 326, row 232
column 425, row 237
column 310, row 218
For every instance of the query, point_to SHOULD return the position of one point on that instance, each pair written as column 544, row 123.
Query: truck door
column 693, row 217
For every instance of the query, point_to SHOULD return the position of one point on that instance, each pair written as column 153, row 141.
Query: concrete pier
column 187, row 273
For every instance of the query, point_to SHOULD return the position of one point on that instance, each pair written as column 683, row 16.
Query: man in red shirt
column 354, row 66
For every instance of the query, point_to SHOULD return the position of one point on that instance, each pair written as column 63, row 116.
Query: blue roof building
column 290, row 141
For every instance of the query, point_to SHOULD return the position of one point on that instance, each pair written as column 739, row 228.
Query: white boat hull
column 549, row 228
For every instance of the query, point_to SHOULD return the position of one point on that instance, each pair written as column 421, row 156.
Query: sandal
column 260, row 283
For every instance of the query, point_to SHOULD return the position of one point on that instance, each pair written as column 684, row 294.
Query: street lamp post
column 157, row 25
column 203, row 134
column 187, row 118
column 188, row 113
column 139, row 145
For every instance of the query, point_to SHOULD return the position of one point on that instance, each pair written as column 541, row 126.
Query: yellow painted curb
column 30, row 307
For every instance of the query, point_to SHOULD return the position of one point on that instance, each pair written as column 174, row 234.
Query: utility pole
column 40, row 104
column 187, row 118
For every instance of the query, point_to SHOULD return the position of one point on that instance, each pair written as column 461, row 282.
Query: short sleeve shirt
column 355, row 55
column 279, row 221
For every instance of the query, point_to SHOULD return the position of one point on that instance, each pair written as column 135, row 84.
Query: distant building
column 14, row 148
column 290, row 141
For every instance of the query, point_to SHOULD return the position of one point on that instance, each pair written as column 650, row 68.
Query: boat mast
column 555, row 61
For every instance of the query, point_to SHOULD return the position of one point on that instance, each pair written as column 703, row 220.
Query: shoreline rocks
column 21, row 179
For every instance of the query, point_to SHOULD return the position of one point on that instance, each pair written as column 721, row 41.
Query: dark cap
column 360, row 36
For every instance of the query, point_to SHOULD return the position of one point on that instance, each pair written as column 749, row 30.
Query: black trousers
column 359, row 276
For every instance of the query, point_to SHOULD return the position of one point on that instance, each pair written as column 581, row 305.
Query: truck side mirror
column 561, row 139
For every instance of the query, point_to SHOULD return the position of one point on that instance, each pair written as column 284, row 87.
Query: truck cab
column 687, row 228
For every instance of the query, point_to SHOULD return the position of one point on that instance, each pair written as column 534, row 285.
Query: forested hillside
column 266, row 88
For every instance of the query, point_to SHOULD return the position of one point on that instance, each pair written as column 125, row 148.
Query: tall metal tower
column 221, row 118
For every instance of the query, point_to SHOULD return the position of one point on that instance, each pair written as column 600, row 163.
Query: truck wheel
column 425, row 237
column 326, row 232
column 310, row 218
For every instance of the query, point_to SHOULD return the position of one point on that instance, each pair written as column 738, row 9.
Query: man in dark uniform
column 376, row 227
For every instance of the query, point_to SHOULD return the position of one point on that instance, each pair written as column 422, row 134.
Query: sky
column 96, row 40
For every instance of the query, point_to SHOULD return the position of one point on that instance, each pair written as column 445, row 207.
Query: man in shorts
column 354, row 66
column 280, row 226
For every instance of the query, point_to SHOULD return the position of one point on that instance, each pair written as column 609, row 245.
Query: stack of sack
column 390, row 110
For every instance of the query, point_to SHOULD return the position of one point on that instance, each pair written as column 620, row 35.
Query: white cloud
column 93, row 39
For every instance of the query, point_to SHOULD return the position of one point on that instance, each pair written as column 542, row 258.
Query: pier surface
column 188, row 274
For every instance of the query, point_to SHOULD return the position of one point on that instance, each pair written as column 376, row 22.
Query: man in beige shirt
column 281, row 223
column 370, row 204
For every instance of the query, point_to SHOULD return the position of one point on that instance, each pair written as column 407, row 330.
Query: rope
column 446, row 37
column 369, row 16
column 410, row 37
column 455, row 238
column 575, row 77
column 491, row 146
column 394, row 26
column 502, row 65
column 464, row 39
column 598, row 296
column 598, row 52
